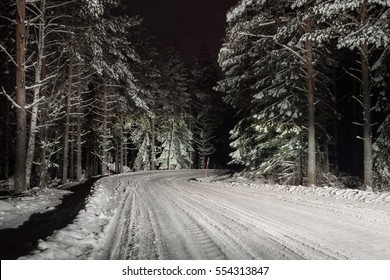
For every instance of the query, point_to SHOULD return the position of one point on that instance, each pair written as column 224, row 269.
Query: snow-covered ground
column 15, row 211
column 168, row 215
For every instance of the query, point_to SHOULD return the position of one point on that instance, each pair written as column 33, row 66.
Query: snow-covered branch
column 35, row 103
column 3, row 92
column 9, row 55
column 277, row 42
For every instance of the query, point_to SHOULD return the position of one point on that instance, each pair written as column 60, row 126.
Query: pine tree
column 359, row 25
column 268, row 61
column 141, row 135
column 173, row 132
column 206, row 106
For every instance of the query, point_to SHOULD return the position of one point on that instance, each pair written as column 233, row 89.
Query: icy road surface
column 165, row 215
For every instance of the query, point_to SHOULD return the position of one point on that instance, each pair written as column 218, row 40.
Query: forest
column 301, row 95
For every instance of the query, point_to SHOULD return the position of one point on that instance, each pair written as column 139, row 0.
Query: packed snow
column 180, row 215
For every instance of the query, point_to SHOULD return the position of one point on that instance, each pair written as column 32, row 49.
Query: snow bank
column 86, row 234
column 382, row 198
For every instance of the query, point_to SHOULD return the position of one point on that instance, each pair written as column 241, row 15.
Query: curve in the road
column 165, row 215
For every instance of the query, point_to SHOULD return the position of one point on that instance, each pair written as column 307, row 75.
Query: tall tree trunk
column 43, row 166
column 43, row 134
column 7, row 140
column 300, row 159
column 153, row 144
column 78, row 128
column 367, row 104
column 67, row 123
column 95, row 159
column 20, row 157
column 37, row 88
column 121, row 146
column 190, row 129
column 368, row 169
column 311, row 172
column 71, row 154
column 117, row 155
column 104, row 136
column 170, row 145
column 335, row 119
column 126, row 162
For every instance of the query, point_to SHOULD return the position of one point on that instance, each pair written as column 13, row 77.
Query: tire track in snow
column 279, row 234
column 163, row 216
column 342, row 221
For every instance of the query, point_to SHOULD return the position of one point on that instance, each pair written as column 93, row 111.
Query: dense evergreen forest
column 310, row 83
column 304, row 91
column 93, row 96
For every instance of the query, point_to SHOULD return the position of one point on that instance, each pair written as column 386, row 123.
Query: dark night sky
column 189, row 23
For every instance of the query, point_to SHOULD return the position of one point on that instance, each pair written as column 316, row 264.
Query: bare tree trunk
column 153, row 144
column 20, row 157
column 117, row 155
column 335, row 120
column 126, row 161
column 37, row 88
column 367, row 119
column 71, row 154
column 95, row 159
column 170, row 145
column 78, row 129
column 190, row 129
column 311, row 172
column 104, row 136
column 43, row 166
column 67, row 123
column 7, row 141
column 300, row 159
column 43, row 133
column 364, row 54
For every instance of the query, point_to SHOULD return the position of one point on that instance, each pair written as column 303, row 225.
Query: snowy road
column 165, row 215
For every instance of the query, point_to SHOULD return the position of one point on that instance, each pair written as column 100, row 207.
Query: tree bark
column 121, row 146
column 67, row 123
column 190, row 129
column 20, row 157
column 7, row 141
column 43, row 134
column 311, row 172
column 126, row 162
column 117, row 153
column 104, row 136
column 37, row 88
column 335, row 119
column 78, row 129
column 43, row 166
column 71, row 155
column 364, row 55
column 153, row 144
column 170, row 145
